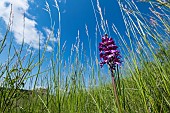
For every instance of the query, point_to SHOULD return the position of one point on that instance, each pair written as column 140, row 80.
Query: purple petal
column 112, row 47
column 101, row 55
column 101, row 44
column 113, row 51
column 108, row 52
column 105, row 40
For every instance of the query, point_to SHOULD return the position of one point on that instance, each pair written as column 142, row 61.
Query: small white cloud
column 31, row 34
column 50, row 33
column 30, row 16
column 38, row 87
column 47, row 31
column 53, row 39
column 49, row 48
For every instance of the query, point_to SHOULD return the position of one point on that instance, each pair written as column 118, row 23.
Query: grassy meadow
column 73, row 86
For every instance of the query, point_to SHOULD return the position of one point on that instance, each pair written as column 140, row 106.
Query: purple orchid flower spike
column 111, row 56
column 109, row 53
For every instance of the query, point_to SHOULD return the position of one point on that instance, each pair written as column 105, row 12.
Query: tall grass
column 78, row 84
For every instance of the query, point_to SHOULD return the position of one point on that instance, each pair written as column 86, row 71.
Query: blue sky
column 75, row 15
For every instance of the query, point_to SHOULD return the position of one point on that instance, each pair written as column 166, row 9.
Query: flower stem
column 115, row 91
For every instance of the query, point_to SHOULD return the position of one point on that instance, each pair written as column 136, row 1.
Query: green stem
column 115, row 91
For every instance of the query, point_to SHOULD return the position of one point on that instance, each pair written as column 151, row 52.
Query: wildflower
column 111, row 56
column 108, row 52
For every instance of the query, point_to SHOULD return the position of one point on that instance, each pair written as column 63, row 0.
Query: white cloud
column 49, row 48
column 47, row 31
column 19, row 7
column 50, row 33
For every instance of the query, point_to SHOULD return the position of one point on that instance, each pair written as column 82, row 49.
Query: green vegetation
column 143, row 85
